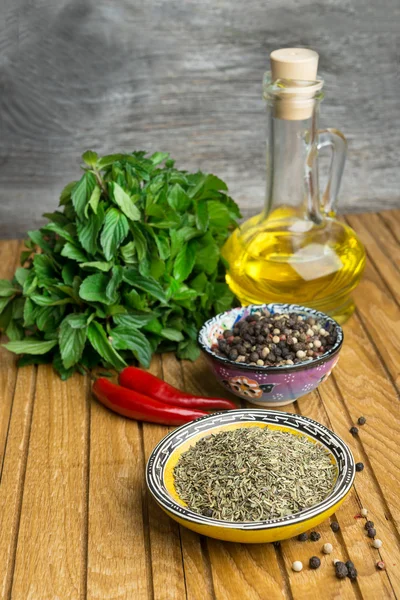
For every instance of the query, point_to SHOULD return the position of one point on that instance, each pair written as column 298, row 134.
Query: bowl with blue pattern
column 268, row 386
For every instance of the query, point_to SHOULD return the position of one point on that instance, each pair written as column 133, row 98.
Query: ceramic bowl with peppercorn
column 271, row 354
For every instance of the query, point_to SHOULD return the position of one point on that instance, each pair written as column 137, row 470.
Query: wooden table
column 76, row 520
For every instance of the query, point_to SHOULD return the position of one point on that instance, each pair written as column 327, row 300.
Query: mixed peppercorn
column 262, row 339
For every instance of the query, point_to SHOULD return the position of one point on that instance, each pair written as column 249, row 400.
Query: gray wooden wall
column 185, row 76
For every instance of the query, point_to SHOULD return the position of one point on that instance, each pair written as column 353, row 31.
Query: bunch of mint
column 129, row 265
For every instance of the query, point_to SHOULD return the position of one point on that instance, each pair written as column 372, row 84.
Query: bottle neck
column 292, row 174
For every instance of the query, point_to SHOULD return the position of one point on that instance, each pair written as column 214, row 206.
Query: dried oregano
column 253, row 474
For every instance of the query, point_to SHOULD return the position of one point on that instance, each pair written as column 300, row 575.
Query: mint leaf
column 134, row 320
column 172, row 334
column 188, row 350
column 59, row 367
column 184, row 262
column 60, row 230
column 71, row 341
column 94, row 288
column 81, row 193
column 100, row 342
column 89, row 229
column 128, row 252
column 99, row 265
column 6, row 288
column 158, row 157
column 134, row 340
column 218, row 214
column 202, row 217
column 90, row 158
column 223, row 297
column 93, row 200
column 66, row 193
column 125, row 202
column 14, row 331
column 71, row 251
column 178, row 199
column 114, row 232
column 30, row 346
column 147, row 284
column 113, row 284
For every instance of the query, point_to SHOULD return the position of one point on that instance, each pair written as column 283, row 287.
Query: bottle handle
column 334, row 139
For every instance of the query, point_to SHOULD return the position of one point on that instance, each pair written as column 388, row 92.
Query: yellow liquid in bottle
column 289, row 260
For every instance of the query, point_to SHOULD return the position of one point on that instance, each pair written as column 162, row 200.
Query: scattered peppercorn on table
column 76, row 520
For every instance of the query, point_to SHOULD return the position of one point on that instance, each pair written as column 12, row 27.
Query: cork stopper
column 298, row 67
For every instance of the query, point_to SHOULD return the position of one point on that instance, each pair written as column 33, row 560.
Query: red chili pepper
column 146, row 383
column 140, row 407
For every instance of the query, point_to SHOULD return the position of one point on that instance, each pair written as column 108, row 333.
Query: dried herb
column 253, row 474
column 130, row 264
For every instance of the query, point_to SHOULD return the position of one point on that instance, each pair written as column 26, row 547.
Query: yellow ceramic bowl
column 160, row 479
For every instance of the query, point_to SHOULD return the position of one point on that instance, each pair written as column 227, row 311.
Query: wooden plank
column 8, row 372
column 391, row 218
column 369, row 495
column 238, row 570
column 51, row 551
column 382, row 248
column 117, row 564
column 352, row 539
column 195, row 561
column 164, row 539
column 13, row 473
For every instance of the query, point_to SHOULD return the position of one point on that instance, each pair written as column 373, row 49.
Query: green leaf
column 93, row 200
column 47, row 318
column 4, row 302
column 207, row 254
column 66, row 193
column 218, row 213
column 113, row 284
column 71, row 251
column 158, row 157
column 108, row 160
column 134, row 320
column 30, row 284
column 90, row 158
column 60, row 230
column 94, row 288
column 100, row 342
column 14, row 331
column 77, row 320
column 223, row 297
column 99, row 265
column 89, row 229
column 172, row 334
column 128, row 252
column 18, row 307
column 189, row 350
column 147, row 284
column 30, row 346
column 114, row 232
column 184, row 262
column 25, row 254
column 30, row 310
column 125, row 202
column 38, row 239
column 202, row 217
column 214, row 183
column 134, row 340
column 59, row 367
column 163, row 246
column 178, row 199
column 6, row 288
column 21, row 275
column 72, row 342
column 154, row 326
column 42, row 300
column 68, row 272
column 81, row 193
column 44, row 270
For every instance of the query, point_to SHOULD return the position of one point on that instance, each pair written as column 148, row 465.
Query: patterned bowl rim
column 171, row 442
column 274, row 307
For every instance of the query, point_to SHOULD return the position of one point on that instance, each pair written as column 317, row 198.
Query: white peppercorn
column 297, row 566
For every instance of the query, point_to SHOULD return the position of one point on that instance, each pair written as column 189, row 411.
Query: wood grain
column 50, row 558
column 116, row 552
column 391, row 218
column 185, row 77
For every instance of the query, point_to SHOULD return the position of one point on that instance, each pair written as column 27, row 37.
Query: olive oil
column 283, row 263
column 296, row 251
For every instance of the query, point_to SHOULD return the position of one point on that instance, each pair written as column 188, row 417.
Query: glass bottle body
column 296, row 251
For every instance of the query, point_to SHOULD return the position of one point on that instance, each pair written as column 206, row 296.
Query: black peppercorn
column 359, row 466
column 303, row 537
column 341, row 570
column 233, row 354
column 369, row 525
column 228, row 333
column 352, row 573
column 314, row 562
column 354, row 430
column 371, row 532
column 349, row 564
column 315, row 536
column 335, row 526
column 361, row 420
